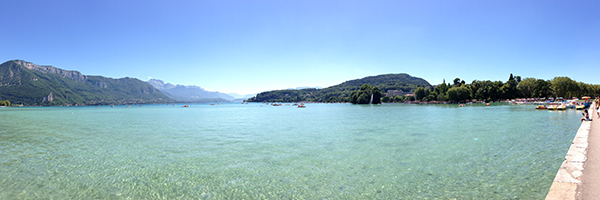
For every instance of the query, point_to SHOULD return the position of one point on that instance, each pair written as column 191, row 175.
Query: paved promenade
column 579, row 175
column 590, row 181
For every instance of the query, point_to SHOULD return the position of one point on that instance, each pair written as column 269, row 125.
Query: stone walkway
column 589, row 188
column 579, row 175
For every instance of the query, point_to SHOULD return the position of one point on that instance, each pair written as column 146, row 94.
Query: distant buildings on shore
column 392, row 93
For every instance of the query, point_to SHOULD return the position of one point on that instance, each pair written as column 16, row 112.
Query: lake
column 256, row 151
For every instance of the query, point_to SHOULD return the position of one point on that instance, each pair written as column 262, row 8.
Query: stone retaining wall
column 569, row 175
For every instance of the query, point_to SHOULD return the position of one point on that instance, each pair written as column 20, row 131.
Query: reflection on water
column 237, row 151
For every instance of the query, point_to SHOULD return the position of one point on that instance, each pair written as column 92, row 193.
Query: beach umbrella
column 586, row 97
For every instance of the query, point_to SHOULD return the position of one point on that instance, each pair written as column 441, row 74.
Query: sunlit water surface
column 255, row 151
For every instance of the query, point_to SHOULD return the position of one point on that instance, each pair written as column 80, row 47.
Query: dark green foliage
column 386, row 99
column 60, row 87
column 486, row 90
column 442, row 97
column 509, row 90
column 365, row 94
column 541, row 88
column 564, row 87
column 342, row 92
column 458, row 94
column 420, row 93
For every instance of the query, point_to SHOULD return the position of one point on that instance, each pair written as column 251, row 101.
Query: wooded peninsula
column 357, row 91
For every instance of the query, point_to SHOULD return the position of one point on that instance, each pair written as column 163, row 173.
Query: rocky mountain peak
column 52, row 70
column 159, row 84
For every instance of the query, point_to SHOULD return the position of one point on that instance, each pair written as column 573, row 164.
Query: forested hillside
column 342, row 92
column 29, row 84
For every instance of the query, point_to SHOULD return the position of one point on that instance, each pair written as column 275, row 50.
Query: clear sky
column 254, row 46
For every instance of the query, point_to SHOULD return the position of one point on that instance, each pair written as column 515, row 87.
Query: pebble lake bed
column 256, row 151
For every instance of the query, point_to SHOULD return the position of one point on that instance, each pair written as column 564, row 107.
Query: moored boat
column 541, row 107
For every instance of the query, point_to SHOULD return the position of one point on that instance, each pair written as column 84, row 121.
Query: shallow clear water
column 234, row 151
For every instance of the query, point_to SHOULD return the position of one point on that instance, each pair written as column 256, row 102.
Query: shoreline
column 569, row 176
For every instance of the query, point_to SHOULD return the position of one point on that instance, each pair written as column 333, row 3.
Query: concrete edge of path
column 569, row 175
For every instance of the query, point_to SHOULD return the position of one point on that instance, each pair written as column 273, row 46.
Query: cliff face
column 52, row 70
column 30, row 84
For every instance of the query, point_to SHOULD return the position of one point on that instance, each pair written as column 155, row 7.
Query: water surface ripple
column 325, row 151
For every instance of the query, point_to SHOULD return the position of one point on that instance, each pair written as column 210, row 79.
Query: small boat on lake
column 557, row 107
column 186, row 105
column 541, row 107
column 579, row 107
column 301, row 106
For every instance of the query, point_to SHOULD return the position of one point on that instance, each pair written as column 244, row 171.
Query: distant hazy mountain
column 189, row 93
column 30, row 84
column 241, row 96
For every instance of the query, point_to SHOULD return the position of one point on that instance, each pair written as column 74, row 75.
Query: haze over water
column 235, row 151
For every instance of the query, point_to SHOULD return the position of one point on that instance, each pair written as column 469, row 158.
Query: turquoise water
column 254, row 151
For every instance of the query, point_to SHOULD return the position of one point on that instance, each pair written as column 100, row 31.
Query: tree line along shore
column 514, row 88
column 453, row 92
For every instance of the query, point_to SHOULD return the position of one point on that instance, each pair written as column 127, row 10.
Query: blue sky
column 254, row 46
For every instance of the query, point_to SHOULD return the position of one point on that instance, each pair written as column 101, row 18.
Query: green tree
column 385, row 99
column 364, row 95
column 509, row 90
column 564, row 87
column 456, row 82
column 332, row 99
column 525, row 87
column 542, row 88
column 432, row 96
column 442, row 97
column 458, row 94
column 442, row 88
column 5, row 103
column 398, row 98
column 420, row 93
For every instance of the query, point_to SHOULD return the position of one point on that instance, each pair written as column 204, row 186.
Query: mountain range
column 190, row 93
column 26, row 83
column 29, row 84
